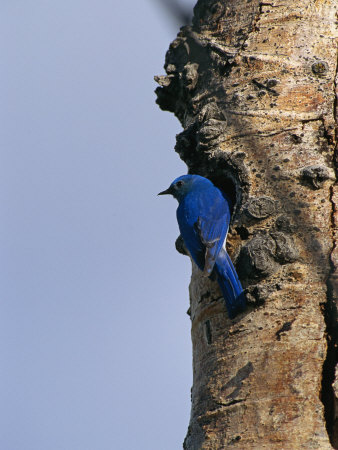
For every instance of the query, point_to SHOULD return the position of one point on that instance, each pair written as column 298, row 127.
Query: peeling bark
column 254, row 87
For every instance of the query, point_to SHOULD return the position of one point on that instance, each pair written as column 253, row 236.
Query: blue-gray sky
column 94, row 337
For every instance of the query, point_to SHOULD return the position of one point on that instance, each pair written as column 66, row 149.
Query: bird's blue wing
column 212, row 227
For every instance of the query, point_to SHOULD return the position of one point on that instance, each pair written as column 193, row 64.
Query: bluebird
column 203, row 217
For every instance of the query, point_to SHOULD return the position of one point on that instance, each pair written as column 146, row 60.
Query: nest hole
column 231, row 188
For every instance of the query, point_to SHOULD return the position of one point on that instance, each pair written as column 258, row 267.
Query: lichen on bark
column 253, row 85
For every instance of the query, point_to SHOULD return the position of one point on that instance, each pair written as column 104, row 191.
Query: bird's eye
column 179, row 184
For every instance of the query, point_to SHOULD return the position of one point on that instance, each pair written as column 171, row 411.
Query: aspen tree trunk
column 253, row 85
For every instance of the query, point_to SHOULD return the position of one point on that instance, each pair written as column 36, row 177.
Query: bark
column 253, row 85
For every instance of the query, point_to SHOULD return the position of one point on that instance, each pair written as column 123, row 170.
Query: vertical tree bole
column 253, row 85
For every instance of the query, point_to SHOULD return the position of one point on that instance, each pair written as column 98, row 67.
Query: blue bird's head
column 184, row 184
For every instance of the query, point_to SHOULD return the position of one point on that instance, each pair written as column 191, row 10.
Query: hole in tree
column 230, row 175
column 328, row 375
column 227, row 185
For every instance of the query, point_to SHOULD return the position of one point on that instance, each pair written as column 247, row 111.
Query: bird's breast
column 188, row 212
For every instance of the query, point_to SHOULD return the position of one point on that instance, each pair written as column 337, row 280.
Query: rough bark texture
column 253, row 85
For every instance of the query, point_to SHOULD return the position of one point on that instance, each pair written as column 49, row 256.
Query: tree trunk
column 253, row 85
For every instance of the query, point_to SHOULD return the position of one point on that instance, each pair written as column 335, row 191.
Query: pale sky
column 94, row 336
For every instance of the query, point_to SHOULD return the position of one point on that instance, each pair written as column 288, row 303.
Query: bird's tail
column 230, row 285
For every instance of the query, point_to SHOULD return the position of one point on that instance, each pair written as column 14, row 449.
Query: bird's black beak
column 166, row 192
